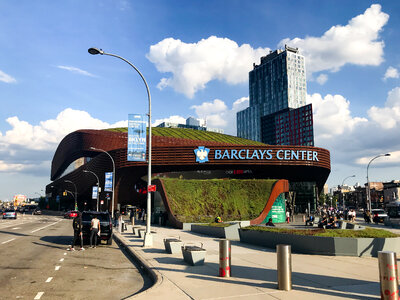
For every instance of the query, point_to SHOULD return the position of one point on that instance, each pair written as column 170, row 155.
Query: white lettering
column 278, row 153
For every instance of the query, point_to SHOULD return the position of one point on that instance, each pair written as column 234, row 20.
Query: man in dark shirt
column 77, row 225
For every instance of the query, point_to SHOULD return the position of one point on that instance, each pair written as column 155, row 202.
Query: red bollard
column 225, row 258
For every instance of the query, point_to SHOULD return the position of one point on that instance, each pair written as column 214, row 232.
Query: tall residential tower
column 278, row 114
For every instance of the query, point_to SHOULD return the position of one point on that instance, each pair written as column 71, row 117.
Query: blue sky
column 196, row 56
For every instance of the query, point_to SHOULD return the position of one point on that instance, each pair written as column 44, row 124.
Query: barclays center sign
column 202, row 154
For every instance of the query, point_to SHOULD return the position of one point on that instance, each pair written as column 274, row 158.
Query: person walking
column 94, row 231
column 77, row 225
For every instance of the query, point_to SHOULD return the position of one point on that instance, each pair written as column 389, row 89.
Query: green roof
column 191, row 134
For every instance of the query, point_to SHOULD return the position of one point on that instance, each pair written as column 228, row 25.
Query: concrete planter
column 173, row 245
column 230, row 233
column 321, row 245
column 194, row 255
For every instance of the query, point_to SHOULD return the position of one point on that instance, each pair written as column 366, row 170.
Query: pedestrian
column 269, row 223
column 94, row 231
column 77, row 226
column 116, row 218
column 143, row 214
column 287, row 216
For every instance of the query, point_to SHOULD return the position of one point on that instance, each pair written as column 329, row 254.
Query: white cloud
column 193, row 65
column 26, row 145
column 322, row 78
column 388, row 116
column 76, row 70
column 172, row 119
column 356, row 43
column 391, row 73
column 6, row 78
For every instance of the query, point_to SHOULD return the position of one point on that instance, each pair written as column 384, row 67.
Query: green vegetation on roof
column 231, row 199
column 191, row 134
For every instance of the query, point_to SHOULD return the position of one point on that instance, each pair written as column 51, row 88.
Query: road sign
column 151, row 188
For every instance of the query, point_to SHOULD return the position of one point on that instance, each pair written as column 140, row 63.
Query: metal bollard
column 225, row 258
column 133, row 221
column 284, row 264
column 388, row 275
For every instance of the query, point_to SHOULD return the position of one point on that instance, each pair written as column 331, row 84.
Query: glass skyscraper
column 277, row 89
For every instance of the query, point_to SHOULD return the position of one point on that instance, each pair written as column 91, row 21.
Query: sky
column 195, row 56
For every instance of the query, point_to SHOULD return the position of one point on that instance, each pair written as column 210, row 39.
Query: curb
column 144, row 265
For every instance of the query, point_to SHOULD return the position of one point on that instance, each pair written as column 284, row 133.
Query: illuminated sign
column 257, row 154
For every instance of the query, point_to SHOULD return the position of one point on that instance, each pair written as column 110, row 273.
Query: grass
column 368, row 232
column 230, row 199
column 191, row 134
column 216, row 224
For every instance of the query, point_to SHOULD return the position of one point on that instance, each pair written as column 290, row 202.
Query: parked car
column 378, row 215
column 37, row 211
column 71, row 214
column 9, row 214
column 105, row 225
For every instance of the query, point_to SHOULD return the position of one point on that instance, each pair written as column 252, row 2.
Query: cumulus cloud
column 356, row 43
column 172, row 119
column 7, row 78
column 193, row 65
column 388, row 116
column 76, row 70
column 391, row 73
column 25, row 145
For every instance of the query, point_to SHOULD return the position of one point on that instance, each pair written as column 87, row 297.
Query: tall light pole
column 98, row 187
column 113, row 179
column 369, row 204
column 341, row 187
column 148, row 239
column 76, row 193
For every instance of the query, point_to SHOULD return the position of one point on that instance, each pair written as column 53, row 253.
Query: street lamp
column 98, row 188
column 148, row 239
column 113, row 181
column 341, row 187
column 369, row 205
column 76, row 193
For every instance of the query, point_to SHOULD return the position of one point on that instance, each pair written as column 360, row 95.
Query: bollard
column 388, row 275
column 284, row 265
column 133, row 220
column 225, row 258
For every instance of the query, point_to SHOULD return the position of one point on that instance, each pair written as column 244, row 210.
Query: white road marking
column 57, row 268
column 65, row 253
column 16, row 228
column 49, row 279
column 5, row 242
column 62, row 259
column 33, row 231
column 38, row 295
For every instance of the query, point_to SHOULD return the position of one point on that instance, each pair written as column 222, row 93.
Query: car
column 37, row 211
column 71, row 214
column 9, row 214
column 106, row 227
column 378, row 215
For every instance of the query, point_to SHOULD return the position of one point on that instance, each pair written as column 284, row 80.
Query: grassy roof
column 191, row 134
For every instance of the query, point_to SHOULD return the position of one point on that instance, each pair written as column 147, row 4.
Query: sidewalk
column 254, row 272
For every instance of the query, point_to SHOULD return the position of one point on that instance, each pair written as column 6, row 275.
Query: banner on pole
column 108, row 182
column 137, row 137
column 94, row 192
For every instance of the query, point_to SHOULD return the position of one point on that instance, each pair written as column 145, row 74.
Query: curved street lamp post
column 148, row 239
column 342, row 188
column 98, row 187
column 76, row 193
column 369, row 204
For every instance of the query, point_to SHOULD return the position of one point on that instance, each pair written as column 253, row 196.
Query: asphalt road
column 34, row 264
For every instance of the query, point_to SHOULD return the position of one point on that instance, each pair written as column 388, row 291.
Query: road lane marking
column 33, row 231
column 38, row 295
column 5, row 242
column 62, row 259
column 57, row 268
column 49, row 279
column 16, row 228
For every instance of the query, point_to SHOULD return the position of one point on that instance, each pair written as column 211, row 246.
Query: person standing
column 287, row 216
column 94, row 231
column 77, row 225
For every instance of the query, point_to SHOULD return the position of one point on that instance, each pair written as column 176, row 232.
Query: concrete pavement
column 254, row 272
